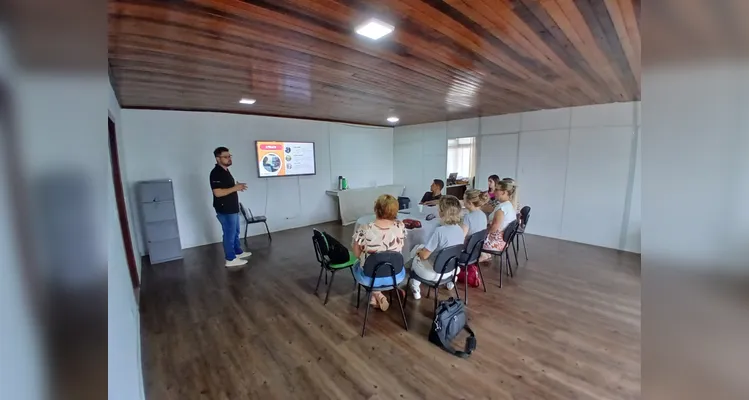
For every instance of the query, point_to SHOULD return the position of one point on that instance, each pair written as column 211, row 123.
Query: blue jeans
column 230, row 228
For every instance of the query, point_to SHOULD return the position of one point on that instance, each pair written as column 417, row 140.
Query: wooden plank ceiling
column 445, row 60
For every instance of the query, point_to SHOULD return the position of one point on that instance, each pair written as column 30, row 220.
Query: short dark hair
column 440, row 183
column 219, row 150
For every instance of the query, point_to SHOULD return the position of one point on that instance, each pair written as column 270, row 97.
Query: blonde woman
column 449, row 233
column 475, row 219
column 503, row 214
column 386, row 233
column 515, row 202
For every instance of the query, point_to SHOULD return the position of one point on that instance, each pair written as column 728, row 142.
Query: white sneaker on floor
column 245, row 254
column 416, row 294
column 237, row 262
column 450, row 285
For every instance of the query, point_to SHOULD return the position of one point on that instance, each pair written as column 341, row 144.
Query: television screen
column 285, row 158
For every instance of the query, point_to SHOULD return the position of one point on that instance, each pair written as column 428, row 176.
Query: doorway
column 119, row 195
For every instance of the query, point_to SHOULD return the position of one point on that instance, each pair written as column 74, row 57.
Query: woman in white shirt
column 475, row 219
column 503, row 214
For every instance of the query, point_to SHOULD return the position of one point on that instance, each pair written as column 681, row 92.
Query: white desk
column 354, row 203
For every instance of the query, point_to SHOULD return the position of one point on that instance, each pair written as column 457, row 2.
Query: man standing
column 226, row 203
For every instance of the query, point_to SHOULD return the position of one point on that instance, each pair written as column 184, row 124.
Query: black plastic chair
column 381, row 265
column 470, row 255
column 253, row 219
column 445, row 262
column 321, row 252
column 525, row 214
column 509, row 237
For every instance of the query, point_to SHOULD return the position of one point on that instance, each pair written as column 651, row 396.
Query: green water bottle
column 344, row 184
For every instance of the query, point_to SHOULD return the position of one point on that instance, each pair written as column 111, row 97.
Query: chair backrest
column 244, row 212
column 510, row 231
column 472, row 250
column 525, row 214
column 378, row 264
column 321, row 245
column 446, row 259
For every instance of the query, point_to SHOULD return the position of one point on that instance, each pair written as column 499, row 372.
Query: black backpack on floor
column 449, row 321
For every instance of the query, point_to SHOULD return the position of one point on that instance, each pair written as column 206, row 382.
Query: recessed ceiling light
column 374, row 29
column 247, row 101
column 393, row 119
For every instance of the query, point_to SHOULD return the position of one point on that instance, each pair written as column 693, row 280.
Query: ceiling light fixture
column 247, row 101
column 393, row 119
column 374, row 29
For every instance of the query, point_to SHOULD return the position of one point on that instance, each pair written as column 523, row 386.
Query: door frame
column 119, row 195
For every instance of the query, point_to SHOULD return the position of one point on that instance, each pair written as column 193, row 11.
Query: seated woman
column 434, row 194
column 515, row 202
column 386, row 233
column 475, row 220
column 489, row 206
column 449, row 233
column 503, row 214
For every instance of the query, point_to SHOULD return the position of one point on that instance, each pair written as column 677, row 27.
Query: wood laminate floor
column 566, row 327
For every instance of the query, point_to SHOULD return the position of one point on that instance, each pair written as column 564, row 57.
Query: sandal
column 383, row 302
column 373, row 302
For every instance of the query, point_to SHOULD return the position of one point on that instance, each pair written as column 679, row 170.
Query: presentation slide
column 285, row 158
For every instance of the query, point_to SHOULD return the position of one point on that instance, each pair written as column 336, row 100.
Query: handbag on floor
column 474, row 280
column 449, row 321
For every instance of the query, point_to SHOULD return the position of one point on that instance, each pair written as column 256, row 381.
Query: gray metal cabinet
column 159, row 220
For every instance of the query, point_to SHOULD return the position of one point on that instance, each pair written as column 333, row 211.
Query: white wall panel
column 497, row 155
column 541, row 177
column 545, row 119
column 614, row 114
column 634, row 225
column 597, row 182
column 364, row 155
column 508, row 123
column 462, row 128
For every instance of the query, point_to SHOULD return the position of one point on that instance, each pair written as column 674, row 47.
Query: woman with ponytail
column 503, row 214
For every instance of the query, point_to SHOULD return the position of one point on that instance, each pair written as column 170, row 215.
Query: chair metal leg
column 246, row 226
column 358, row 295
column 501, row 261
column 332, row 275
column 352, row 275
column 524, row 248
column 319, row 278
column 366, row 313
column 465, row 286
column 515, row 251
column 481, row 275
column 326, row 277
column 509, row 266
column 429, row 292
column 268, row 230
column 400, row 304
column 456, row 290
column 436, row 296
column 408, row 289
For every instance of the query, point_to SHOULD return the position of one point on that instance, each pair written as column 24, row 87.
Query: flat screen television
column 285, row 158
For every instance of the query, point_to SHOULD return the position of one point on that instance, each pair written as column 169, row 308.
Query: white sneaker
column 450, row 285
column 245, row 254
column 237, row 262
column 416, row 294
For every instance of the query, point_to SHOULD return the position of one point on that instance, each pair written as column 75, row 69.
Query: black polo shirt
column 221, row 179
column 428, row 196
